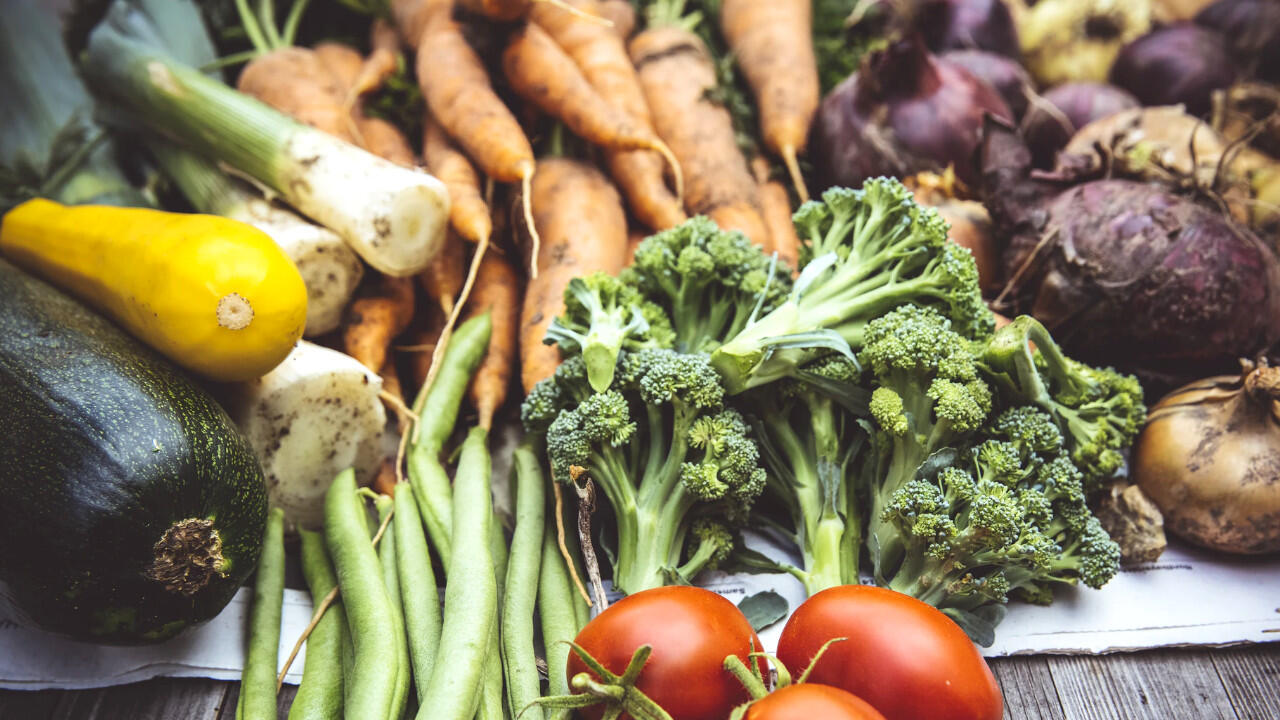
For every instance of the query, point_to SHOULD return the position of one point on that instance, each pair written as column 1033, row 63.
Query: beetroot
column 1006, row 75
column 1182, row 63
column 1078, row 104
column 1127, row 273
column 968, row 25
column 905, row 111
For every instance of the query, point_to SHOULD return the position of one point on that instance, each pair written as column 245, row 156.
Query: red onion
column 1252, row 30
column 968, row 25
column 903, row 112
column 1182, row 63
column 1129, row 273
column 1078, row 104
column 1004, row 74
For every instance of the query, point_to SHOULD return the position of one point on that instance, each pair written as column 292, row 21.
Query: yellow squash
column 216, row 296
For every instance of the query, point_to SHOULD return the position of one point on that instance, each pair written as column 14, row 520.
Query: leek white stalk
column 329, row 268
column 394, row 217
column 315, row 415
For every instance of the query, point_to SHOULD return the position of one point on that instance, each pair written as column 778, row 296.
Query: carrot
column 468, row 212
column 442, row 280
column 421, row 342
column 542, row 73
column 773, row 43
column 602, row 57
column 508, row 10
column 393, row 393
column 411, row 17
column 635, row 236
column 384, row 483
column 579, row 213
column 676, row 73
column 384, row 58
column 776, row 205
column 385, row 140
column 622, row 14
column 497, row 292
column 376, row 319
column 342, row 62
column 296, row 81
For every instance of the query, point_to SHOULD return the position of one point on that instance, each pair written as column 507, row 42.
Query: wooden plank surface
column 1240, row 683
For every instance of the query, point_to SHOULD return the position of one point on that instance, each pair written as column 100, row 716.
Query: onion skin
column 1209, row 457
column 969, row 25
column 971, row 228
column 905, row 111
column 1179, row 64
column 1008, row 77
column 1252, row 29
column 1077, row 40
column 1128, row 274
column 1080, row 104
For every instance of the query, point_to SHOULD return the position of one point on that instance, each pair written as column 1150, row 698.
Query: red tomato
column 691, row 631
column 808, row 701
column 902, row 655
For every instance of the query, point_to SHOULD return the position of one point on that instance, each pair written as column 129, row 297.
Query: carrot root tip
column 793, row 167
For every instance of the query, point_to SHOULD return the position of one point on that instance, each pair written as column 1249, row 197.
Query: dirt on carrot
column 298, row 82
column 579, row 215
column 375, row 319
column 469, row 214
column 443, row 278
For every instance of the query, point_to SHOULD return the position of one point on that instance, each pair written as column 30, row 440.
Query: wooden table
column 1239, row 683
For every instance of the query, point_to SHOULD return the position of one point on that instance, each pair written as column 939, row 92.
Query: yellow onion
column 1077, row 40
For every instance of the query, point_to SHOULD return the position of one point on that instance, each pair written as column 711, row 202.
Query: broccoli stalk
column 675, row 465
column 1099, row 411
column 865, row 252
column 810, row 446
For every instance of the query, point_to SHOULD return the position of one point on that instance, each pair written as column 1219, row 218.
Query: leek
column 394, row 217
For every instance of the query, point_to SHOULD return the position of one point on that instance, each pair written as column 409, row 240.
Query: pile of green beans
column 386, row 645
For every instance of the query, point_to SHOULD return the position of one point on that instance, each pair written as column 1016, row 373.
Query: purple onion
column 1007, row 76
column 1181, row 63
column 968, row 25
column 1252, row 30
column 905, row 111
column 1078, row 104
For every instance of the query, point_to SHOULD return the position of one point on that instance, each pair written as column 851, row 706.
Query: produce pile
column 889, row 282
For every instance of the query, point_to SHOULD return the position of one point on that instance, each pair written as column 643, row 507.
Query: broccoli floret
column 927, row 398
column 864, row 253
column 710, row 543
column 602, row 316
column 664, row 451
column 1098, row 410
column 812, row 446
column 567, row 387
column 709, row 281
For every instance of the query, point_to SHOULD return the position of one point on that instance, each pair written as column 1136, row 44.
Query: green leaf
column 764, row 609
column 979, row 624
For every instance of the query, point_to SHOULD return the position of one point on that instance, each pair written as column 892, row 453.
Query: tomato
column 808, row 701
column 691, row 631
column 902, row 655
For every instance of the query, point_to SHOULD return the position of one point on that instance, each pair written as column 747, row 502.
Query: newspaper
column 1188, row 597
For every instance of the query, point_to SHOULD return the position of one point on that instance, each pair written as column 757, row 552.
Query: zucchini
column 130, row 506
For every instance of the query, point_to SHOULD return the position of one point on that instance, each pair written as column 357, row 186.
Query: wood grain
column 1251, row 676
column 1157, row 685
column 1029, row 692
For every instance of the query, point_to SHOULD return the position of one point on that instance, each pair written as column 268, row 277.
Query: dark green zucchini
column 130, row 506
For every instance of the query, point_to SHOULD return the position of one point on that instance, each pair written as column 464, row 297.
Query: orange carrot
column 385, row 140
column 544, row 74
column 635, row 236
column 772, row 41
column 375, row 320
column 677, row 73
column 580, row 216
column 497, row 292
column 342, row 62
column 420, row 342
column 508, row 10
column 412, row 17
column 297, row 82
column 469, row 214
column 385, row 481
column 384, row 58
column 601, row 55
column 393, row 393
column 776, row 206
column 442, row 280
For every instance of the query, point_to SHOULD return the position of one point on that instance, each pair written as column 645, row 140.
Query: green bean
column 391, row 577
column 555, row 608
column 258, row 683
column 320, row 693
column 523, row 685
column 438, row 413
column 369, row 611
column 492, row 701
column 471, row 593
column 418, row 593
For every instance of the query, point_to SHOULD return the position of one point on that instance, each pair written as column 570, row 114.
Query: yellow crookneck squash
column 216, row 296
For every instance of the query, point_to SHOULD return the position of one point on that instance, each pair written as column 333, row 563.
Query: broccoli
column 675, row 464
column 927, row 399
column 1099, row 410
column 1008, row 517
column 602, row 316
column 710, row 281
column 811, row 446
column 864, row 253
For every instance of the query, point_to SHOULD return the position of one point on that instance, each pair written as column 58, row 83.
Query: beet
column 1252, row 30
column 1182, row 63
column 1078, row 104
column 1008, row 77
column 1130, row 274
column 905, row 111
column 968, row 25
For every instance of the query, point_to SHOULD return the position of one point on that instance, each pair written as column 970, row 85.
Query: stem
column 750, row 681
column 251, row 29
